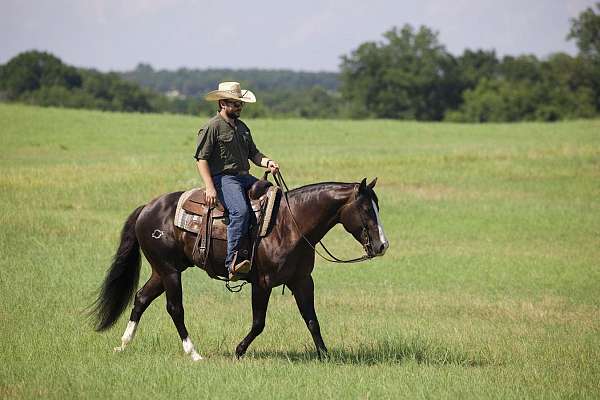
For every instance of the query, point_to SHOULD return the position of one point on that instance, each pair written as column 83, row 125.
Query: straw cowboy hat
column 231, row 91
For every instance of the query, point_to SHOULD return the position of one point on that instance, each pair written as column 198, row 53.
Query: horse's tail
column 121, row 279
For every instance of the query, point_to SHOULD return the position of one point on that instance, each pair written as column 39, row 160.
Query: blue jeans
column 232, row 194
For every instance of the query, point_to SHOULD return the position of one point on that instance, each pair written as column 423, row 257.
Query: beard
column 234, row 114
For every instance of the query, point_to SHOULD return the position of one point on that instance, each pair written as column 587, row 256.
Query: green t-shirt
column 227, row 148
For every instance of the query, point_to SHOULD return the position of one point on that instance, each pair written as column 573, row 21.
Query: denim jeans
column 231, row 191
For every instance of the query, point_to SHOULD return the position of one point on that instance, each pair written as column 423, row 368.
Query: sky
column 306, row 35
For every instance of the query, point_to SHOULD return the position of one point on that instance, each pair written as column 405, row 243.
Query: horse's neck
column 317, row 211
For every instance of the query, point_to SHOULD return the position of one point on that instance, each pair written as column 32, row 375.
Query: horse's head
column 360, row 217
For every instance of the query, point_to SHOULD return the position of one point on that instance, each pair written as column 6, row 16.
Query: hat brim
column 247, row 96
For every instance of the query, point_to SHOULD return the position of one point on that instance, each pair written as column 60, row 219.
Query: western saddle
column 211, row 223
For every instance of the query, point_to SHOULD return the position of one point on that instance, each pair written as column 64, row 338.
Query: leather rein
column 365, row 233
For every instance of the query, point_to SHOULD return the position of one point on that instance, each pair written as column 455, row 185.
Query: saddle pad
column 184, row 220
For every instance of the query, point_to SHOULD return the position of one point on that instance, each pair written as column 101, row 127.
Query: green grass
column 490, row 288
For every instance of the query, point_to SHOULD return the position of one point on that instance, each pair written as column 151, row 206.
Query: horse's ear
column 363, row 185
column 372, row 184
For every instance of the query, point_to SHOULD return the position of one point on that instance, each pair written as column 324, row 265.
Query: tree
column 475, row 65
column 520, row 68
column 32, row 70
column 494, row 100
column 586, row 31
column 40, row 78
column 528, row 89
column 409, row 75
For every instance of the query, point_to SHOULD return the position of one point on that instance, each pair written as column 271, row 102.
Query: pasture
column 490, row 288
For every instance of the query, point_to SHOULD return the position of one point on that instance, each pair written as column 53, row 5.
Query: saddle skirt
column 192, row 209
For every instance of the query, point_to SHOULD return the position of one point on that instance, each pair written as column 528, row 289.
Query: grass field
column 490, row 289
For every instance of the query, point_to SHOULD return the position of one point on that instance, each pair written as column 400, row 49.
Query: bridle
column 367, row 244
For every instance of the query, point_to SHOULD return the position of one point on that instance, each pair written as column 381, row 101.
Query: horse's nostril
column 382, row 248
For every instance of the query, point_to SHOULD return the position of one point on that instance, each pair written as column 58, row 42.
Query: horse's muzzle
column 380, row 249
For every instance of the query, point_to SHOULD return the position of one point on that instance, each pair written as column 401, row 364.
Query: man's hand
column 273, row 166
column 211, row 196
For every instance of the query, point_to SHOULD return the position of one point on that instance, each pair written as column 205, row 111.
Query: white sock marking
column 127, row 335
column 188, row 348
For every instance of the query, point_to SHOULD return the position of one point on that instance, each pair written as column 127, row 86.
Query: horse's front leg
column 260, row 302
column 304, row 293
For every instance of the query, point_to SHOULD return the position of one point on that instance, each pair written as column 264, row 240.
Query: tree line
column 280, row 92
column 408, row 74
column 40, row 78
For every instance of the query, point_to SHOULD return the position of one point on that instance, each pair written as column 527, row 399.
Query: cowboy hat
column 231, row 91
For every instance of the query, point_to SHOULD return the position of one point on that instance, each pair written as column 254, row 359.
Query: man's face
column 233, row 108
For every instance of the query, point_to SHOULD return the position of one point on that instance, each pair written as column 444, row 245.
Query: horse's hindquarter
column 159, row 239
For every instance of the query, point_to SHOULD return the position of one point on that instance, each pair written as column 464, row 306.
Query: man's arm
column 263, row 161
column 211, row 192
column 259, row 158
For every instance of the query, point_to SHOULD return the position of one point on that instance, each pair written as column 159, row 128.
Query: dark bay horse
column 285, row 256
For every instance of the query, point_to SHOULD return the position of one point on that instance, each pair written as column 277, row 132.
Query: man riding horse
column 223, row 149
column 286, row 256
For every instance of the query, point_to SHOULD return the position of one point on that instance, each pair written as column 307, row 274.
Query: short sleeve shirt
column 226, row 147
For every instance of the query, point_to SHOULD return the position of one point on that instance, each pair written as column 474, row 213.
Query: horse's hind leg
column 150, row 291
column 172, row 284
column 304, row 293
column 260, row 302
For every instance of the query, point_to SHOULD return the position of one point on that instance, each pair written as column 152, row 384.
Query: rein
column 284, row 189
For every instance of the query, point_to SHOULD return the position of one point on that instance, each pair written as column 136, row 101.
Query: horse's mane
column 320, row 186
column 307, row 190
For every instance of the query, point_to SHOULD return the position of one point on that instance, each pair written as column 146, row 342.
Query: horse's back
column 160, row 209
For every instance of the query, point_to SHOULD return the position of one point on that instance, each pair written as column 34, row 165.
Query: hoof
column 119, row 349
column 239, row 353
column 196, row 357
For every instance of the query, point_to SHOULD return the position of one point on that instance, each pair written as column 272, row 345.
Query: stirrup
column 241, row 268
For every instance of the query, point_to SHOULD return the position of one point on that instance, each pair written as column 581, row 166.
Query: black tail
column 121, row 279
